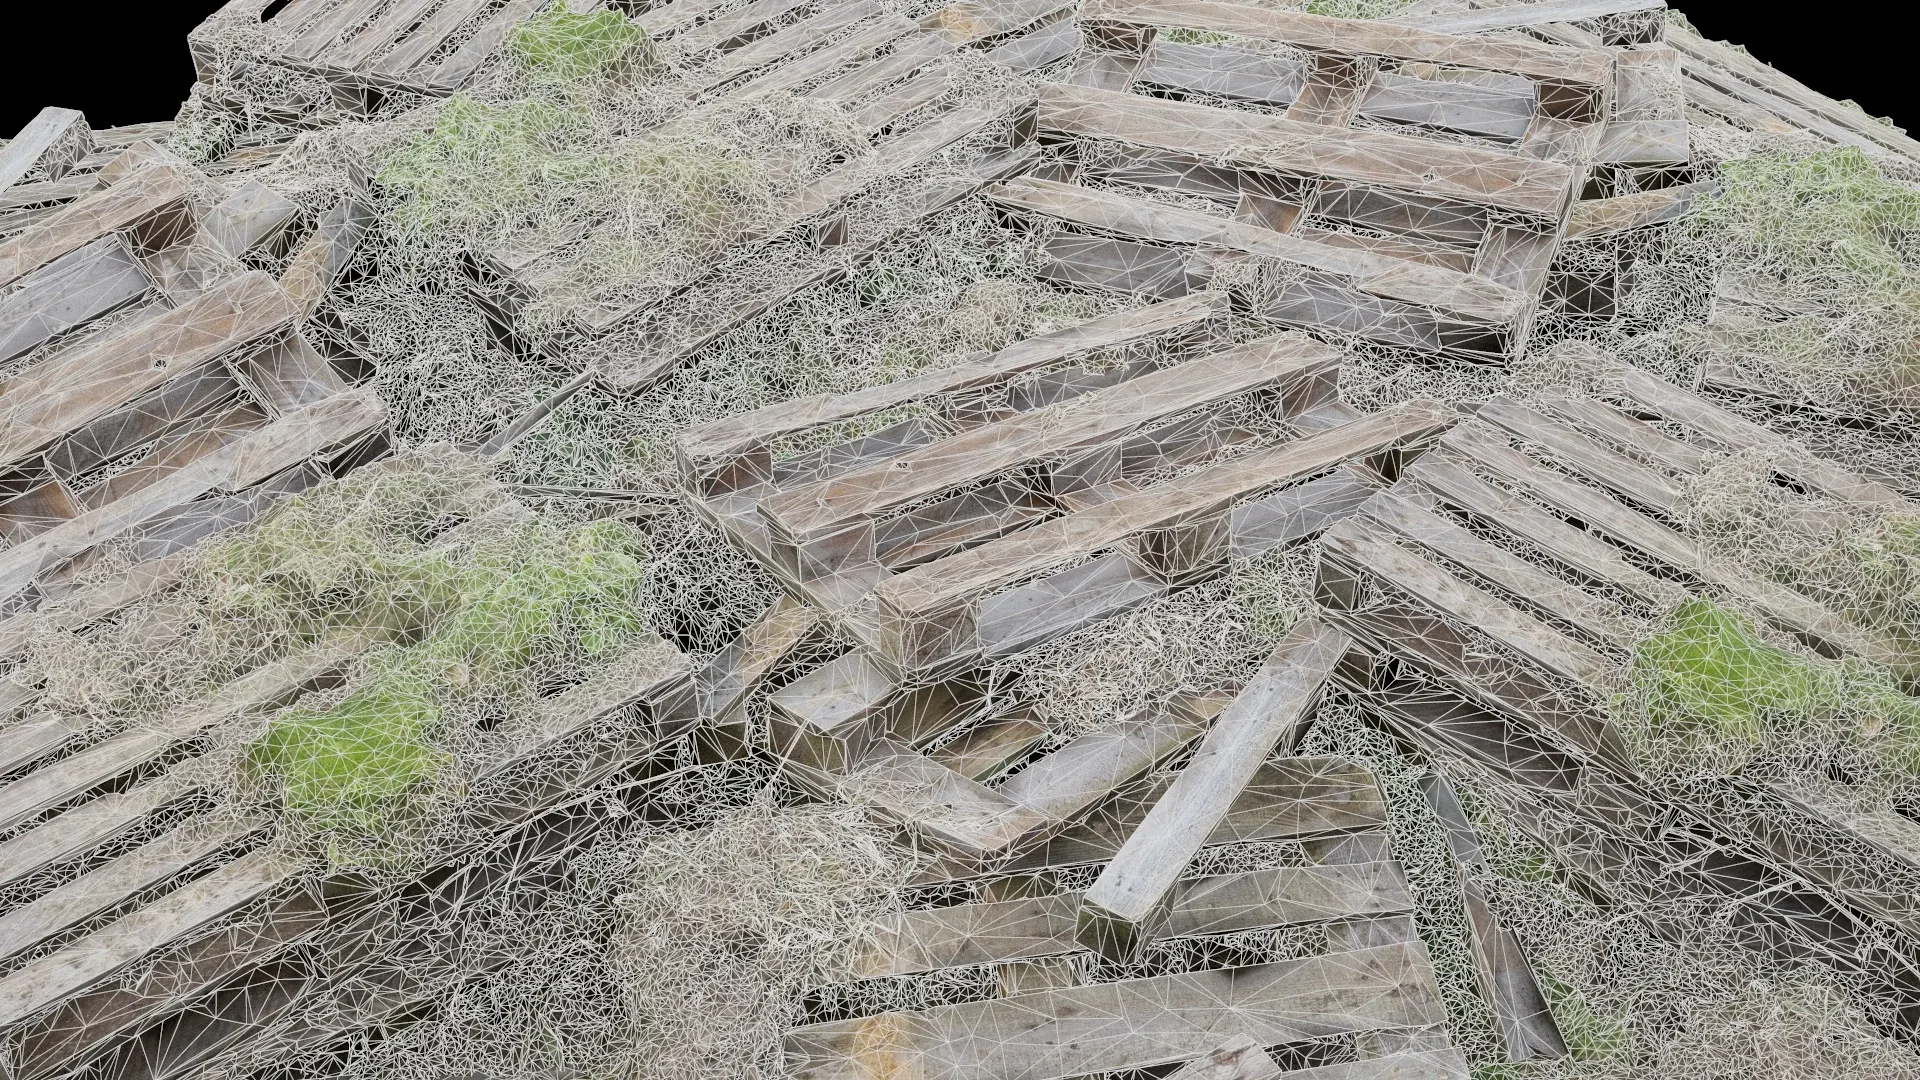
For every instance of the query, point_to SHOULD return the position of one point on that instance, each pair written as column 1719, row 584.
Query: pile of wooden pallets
column 1492, row 590
column 146, row 930
column 158, row 387
column 892, row 75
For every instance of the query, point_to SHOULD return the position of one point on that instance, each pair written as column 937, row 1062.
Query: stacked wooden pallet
column 146, row 929
column 369, row 50
column 1494, row 589
column 1364, row 991
column 158, row 388
column 56, row 159
column 881, row 68
column 1415, row 186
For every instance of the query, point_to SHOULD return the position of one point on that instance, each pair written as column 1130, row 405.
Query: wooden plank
column 828, row 718
column 1030, row 52
column 1581, row 455
column 968, row 22
column 808, row 33
column 722, row 685
column 60, row 975
column 1292, row 515
column 1239, row 1058
column 1127, row 905
column 709, row 453
column 82, row 829
column 732, row 28
column 1351, row 37
column 1256, row 141
column 248, row 217
column 62, row 395
column 857, row 46
column 456, row 69
column 938, row 806
column 1109, row 212
column 1481, row 20
column 1824, row 112
column 918, row 609
column 152, row 191
column 426, row 39
column 813, row 512
column 1599, row 511
column 1131, row 1024
column 986, row 749
column 1063, row 785
column 1632, row 436
column 357, row 51
column 52, row 142
column 150, row 865
column 1374, row 550
column 1224, row 70
column 68, row 293
column 1488, row 111
column 665, row 20
column 1525, row 1022
column 1018, row 619
column 1682, row 406
column 1288, row 799
column 1037, row 926
column 1600, row 620
column 1644, row 142
column 75, row 775
column 1458, row 486
column 241, row 464
column 320, row 261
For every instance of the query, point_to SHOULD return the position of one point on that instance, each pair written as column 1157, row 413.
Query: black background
column 127, row 63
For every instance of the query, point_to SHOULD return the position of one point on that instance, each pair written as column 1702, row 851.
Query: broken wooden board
column 1127, row 904
column 1036, row 926
column 1131, row 1024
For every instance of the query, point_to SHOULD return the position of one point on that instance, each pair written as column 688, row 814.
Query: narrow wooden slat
column 1106, row 211
column 339, row 22
column 358, row 50
column 1581, row 455
column 808, row 513
column 54, row 139
column 68, row 293
column 1240, row 1058
column 991, row 746
column 857, row 46
column 108, row 886
column 1512, row 17
column 241, row 464
column 426, row 39
column 806, row 34
column 1370, row 548
column 53, row 978
column 1039, row 926
column 1127, row 904
column 1442, row 537
column 707, row 450
column 909, row 601
column 1061, row 1033
column 1349, row 37
column 150, row 191
column 1064, row 784
column 1255, row 141
column 456, row 69
column 59, row 397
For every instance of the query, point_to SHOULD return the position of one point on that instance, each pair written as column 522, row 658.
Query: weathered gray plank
column 1113, row 213
column 107, row 886
column 1239, row 1058
column 60, row 975
column 1036, row 926
column 240, row 464
column 857, row 46
column 1061, row 1033
column 52, row 142
column 710, row 454
column 991, row 746
column 1517, row 55
column 1582, row 455
column 1255, row 141
column 1412, row 1065
column 1127, row 905
column 1513, row 16
column 926, row 614
column 69, row 292
column 456, row 69
column 808, row 33
column 1526, row 1024
column 151, row 192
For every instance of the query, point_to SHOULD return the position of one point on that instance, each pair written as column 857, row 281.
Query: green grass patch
column 1830, row 214
column 562, row 45
column 1709, row 680
column 508, row 609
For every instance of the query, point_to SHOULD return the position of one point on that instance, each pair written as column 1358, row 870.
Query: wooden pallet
column 158, row 389
column 1048, row 1020
column 145, row 932
column 886, row 70
column 1487, row 589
